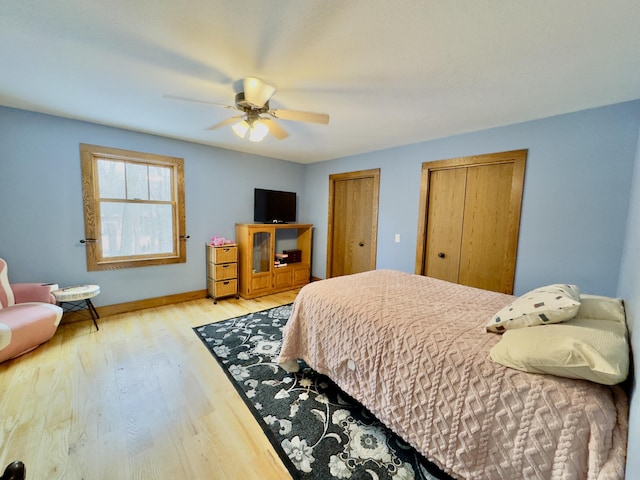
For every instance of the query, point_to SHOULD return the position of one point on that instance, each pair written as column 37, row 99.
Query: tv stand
column 259, row 274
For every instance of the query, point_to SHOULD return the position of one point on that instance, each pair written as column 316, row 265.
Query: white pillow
column 551, row 304
column 589, row 349
column 598, row 307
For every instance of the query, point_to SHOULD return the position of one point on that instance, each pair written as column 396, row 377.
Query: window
column 134, row 212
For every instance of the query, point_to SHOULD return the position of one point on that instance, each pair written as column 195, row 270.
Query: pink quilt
column 413, row 350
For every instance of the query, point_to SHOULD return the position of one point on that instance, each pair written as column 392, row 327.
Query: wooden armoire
column 470, row 218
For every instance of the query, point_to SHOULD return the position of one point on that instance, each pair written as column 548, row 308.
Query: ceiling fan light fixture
column 241, row 128
column 254, row 102
column 258, row 131
column 256, row 92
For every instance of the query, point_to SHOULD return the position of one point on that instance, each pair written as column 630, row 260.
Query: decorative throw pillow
column 551, row 304
column 590, row 349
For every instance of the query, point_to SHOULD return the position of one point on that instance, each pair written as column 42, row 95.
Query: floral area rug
column 319, row 432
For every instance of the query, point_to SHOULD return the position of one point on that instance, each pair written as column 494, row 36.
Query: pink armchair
column 28, row 315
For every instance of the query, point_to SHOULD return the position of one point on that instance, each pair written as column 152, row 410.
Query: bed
column 415, row 351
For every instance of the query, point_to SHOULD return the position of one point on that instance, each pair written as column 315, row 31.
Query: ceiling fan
column 257, row 119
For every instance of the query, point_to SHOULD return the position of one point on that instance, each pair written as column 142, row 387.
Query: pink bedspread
column 413, row 350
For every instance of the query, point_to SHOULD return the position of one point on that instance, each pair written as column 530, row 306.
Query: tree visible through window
column 134, row 208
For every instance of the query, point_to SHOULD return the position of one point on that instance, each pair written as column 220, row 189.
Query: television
column 274, row 206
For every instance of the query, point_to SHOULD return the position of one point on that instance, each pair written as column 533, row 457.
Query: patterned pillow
column 551, row 304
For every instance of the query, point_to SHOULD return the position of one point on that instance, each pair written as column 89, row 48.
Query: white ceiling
column 388, row 72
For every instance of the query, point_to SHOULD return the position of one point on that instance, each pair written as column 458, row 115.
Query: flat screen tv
column 273, row 206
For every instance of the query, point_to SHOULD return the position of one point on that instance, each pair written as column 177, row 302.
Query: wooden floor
column 140, row 399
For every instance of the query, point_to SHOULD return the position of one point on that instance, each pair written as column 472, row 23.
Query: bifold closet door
column 469, row 219
column 444, row 228
column 488, row 253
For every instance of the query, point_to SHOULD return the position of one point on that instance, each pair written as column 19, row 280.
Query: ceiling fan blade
column 297, row 116
column 256, row 92
column 175, row 97
column 225, row 122
column 275, row 129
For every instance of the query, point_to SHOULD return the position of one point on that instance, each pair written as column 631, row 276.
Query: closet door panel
column 444, row 223
column 485, row 253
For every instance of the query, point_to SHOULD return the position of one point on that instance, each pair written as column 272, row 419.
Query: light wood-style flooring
column 140, row 399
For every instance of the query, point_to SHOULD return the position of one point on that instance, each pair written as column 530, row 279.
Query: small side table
column 78, row 297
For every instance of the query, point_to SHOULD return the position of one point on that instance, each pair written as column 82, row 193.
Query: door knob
column 441, row 255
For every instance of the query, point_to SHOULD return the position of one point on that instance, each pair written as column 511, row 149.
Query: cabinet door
column 262, row 257
column 261, row 282
column 282, row 278
column 301, row 275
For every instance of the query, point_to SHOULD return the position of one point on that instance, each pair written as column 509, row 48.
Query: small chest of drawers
column 222, row 271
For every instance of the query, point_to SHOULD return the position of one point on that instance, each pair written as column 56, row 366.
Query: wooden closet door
column 469, row 219
column 353, row 222
column 487, row 257
column 444, row 229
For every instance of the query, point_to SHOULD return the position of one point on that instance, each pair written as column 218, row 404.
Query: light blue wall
column 41, row 221
column 629, row 290
column 574, row 211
